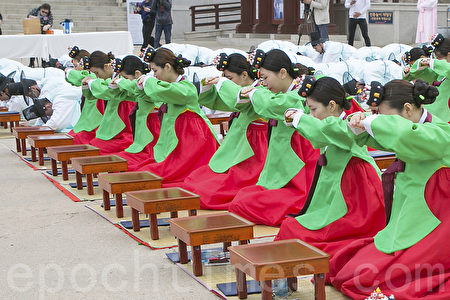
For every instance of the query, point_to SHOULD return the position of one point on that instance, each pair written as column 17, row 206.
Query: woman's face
column 103, row 73
column 271, row 80
column 242, row 80
column 76, row 64
column 317, row 109
column 160, row 73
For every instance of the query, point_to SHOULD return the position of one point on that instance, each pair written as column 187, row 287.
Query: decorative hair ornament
column 437, row 40
column 74, row 51
column 428, row 49
column 117, row 65
column 86, row 63
column 306, row 85
column 311, row 71
column 146, row 68
column 376, row 93
column 182, row 62
column 258, row 58
column 149, row 54
column 407, row 57
column 222, row 62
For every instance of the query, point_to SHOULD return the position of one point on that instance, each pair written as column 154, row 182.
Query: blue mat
column 74, row 185
column 378, row 153
column 175, row 258
column 229, row 289
column 70, row 171
column 145, row 223
column 37, row 159
column 112, row 202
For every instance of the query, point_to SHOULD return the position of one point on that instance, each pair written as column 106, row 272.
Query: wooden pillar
column 248, row 15
column 289, row 25
column 264, row 24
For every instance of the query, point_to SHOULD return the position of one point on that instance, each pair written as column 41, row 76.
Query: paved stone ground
column 53, row 248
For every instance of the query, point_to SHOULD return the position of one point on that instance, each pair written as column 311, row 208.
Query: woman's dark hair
column 416, row 53
column 131, row 64
column 443, row 48
column 99, row 59
column 327, row 89
column 276, row 59
column 45, row 6
column 164, row 56
column 237, row 63
column 398, row 92
column 82, row 53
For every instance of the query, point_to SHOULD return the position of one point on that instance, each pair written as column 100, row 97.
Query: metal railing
column 215, row 14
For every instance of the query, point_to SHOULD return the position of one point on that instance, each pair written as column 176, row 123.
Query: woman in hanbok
column 240, row 158
column 345, row 202
column 409, row 257
column 288, row 171
column 187, row 140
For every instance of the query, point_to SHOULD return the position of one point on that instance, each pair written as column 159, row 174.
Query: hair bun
column 111, row 56
column 424, row 93
column 183, row 62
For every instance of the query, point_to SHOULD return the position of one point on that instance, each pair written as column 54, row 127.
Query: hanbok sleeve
column 221, row 96
column 101, row 90
column 181, row 93
column 75, row 77
column 410, row 141
column 329, row 131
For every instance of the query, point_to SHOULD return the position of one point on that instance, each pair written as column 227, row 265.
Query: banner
column 134, row 22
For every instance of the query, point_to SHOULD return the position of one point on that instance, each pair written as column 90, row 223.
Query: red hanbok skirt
column 84, row 137
column 363, row 194
column 420, row 271
column 145, row 157
column 270, row 207
column 216, row 190
column 123, row 139
column 196, row 145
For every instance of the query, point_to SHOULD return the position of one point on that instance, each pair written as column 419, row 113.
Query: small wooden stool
column 65, row 153
column 153, row 202
column 96, row 164
column 119, row 183
column 9, row 116
column 208, row 229
column 21, row 133
column 43, row 141
column 279, row 259
column 383, row 159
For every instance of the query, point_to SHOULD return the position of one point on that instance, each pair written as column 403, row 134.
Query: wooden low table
column 94, row 165
column 383, row 159
column 208, row 229
column 21, row 133
column 12, row 117
column 157, row 201
column 279, row 259
column 119, row 183
column 65, row 153
column 43, row 141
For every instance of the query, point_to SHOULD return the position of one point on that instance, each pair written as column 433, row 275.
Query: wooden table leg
column 154, row 227
column 225, row 246
column 319, row 287
column 33, row 154
column 41, row 156
column 106, row 202
column 192, row 212
column 5, row 125
column 24, row 146
column 241, row 284
column 18, row 148
column 89, row 184
column 135, row 219
column 266, row 290
column 197, row 260
column 119, row 206
column 54, row 168
column 79, row 180
column 64, row 171
column 173, row 214
column 11, row 125
column 182, row 252
column 292, row 283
